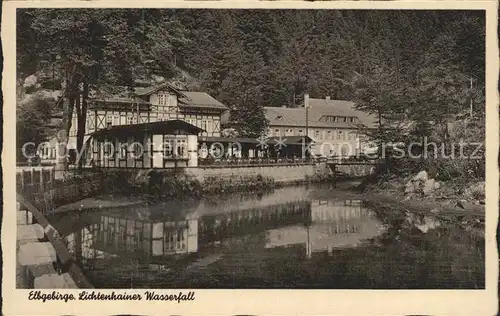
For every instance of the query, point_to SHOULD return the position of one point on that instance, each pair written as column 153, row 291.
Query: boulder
column 429, row 186
column 421, row 176
column 476, row 191
column 409, row 187
column 30, row 81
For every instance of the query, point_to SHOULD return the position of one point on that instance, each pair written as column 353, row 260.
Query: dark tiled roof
column 143, row 91
column 288, row 140
column 210, row 139
column 291, row 140
column 281, row 116
column 154, row 127
column 200, row 99
column 186, row 98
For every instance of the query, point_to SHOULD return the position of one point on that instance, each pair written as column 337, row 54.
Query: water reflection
column 319, row 225
column 333, row 224
column 279, row 240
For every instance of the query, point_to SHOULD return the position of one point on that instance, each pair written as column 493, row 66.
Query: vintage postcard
column 257, row 158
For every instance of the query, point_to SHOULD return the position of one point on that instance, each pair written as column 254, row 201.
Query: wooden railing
column 266, row 161
column 38, row 185
column 222, row 162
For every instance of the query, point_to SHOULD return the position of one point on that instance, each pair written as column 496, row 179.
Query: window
column 329, row 135
column 204, row 125
column 352, row 119
column 181, row 148
column 277, row 132
column 301, row 132
column 109, row 120
column 136, row 151
column 345, row 119
column 170, row 109
column 162, row 99
column 168, row 148
column 123, row 150
column 340, row 135
column 279, row 117
column 116, row 120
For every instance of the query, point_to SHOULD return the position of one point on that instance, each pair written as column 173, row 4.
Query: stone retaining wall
column 36, row 257
column 355, row 170
column 280, row 173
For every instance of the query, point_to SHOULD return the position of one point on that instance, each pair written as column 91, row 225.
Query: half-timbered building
column 166, row 144
column 153, row 104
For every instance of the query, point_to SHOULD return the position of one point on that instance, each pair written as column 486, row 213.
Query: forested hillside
column 415, row 63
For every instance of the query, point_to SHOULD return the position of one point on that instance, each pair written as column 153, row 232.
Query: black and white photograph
column 229, row 148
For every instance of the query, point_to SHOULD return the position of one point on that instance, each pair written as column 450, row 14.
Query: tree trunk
column 62, row 135
column 380, row 138
column 82, row 118
column 67, row 87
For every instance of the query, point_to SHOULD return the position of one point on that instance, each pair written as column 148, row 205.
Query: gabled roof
column 154, row 127
column 200, row 99
column 186, row 98
column 145, row 91
column 318, row 108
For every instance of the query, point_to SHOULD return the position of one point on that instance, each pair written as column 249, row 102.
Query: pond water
column 295, row 237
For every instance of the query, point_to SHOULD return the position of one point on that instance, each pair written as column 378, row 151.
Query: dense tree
column 94, row 50
column 32, row 119
column 389, row 61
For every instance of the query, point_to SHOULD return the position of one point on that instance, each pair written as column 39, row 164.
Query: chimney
column 306, row 100
column 327, row 98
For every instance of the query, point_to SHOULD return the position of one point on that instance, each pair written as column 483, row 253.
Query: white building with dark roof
column 335, row 125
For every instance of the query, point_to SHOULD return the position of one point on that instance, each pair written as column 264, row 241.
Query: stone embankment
column 43, row 261
column 36, row 257
column 422, row 194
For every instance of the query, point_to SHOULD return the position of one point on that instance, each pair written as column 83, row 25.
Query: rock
column 427, row 224
column 429, row 186
column 30, row 81
column 476, row 191
column 464, row 204
column 409, row 188
column 437, row 185
column 421, row 176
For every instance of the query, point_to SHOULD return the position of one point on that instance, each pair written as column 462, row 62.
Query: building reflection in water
column 334, row 224
column 319, row 225
column 217, row 228
column 116, row 235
